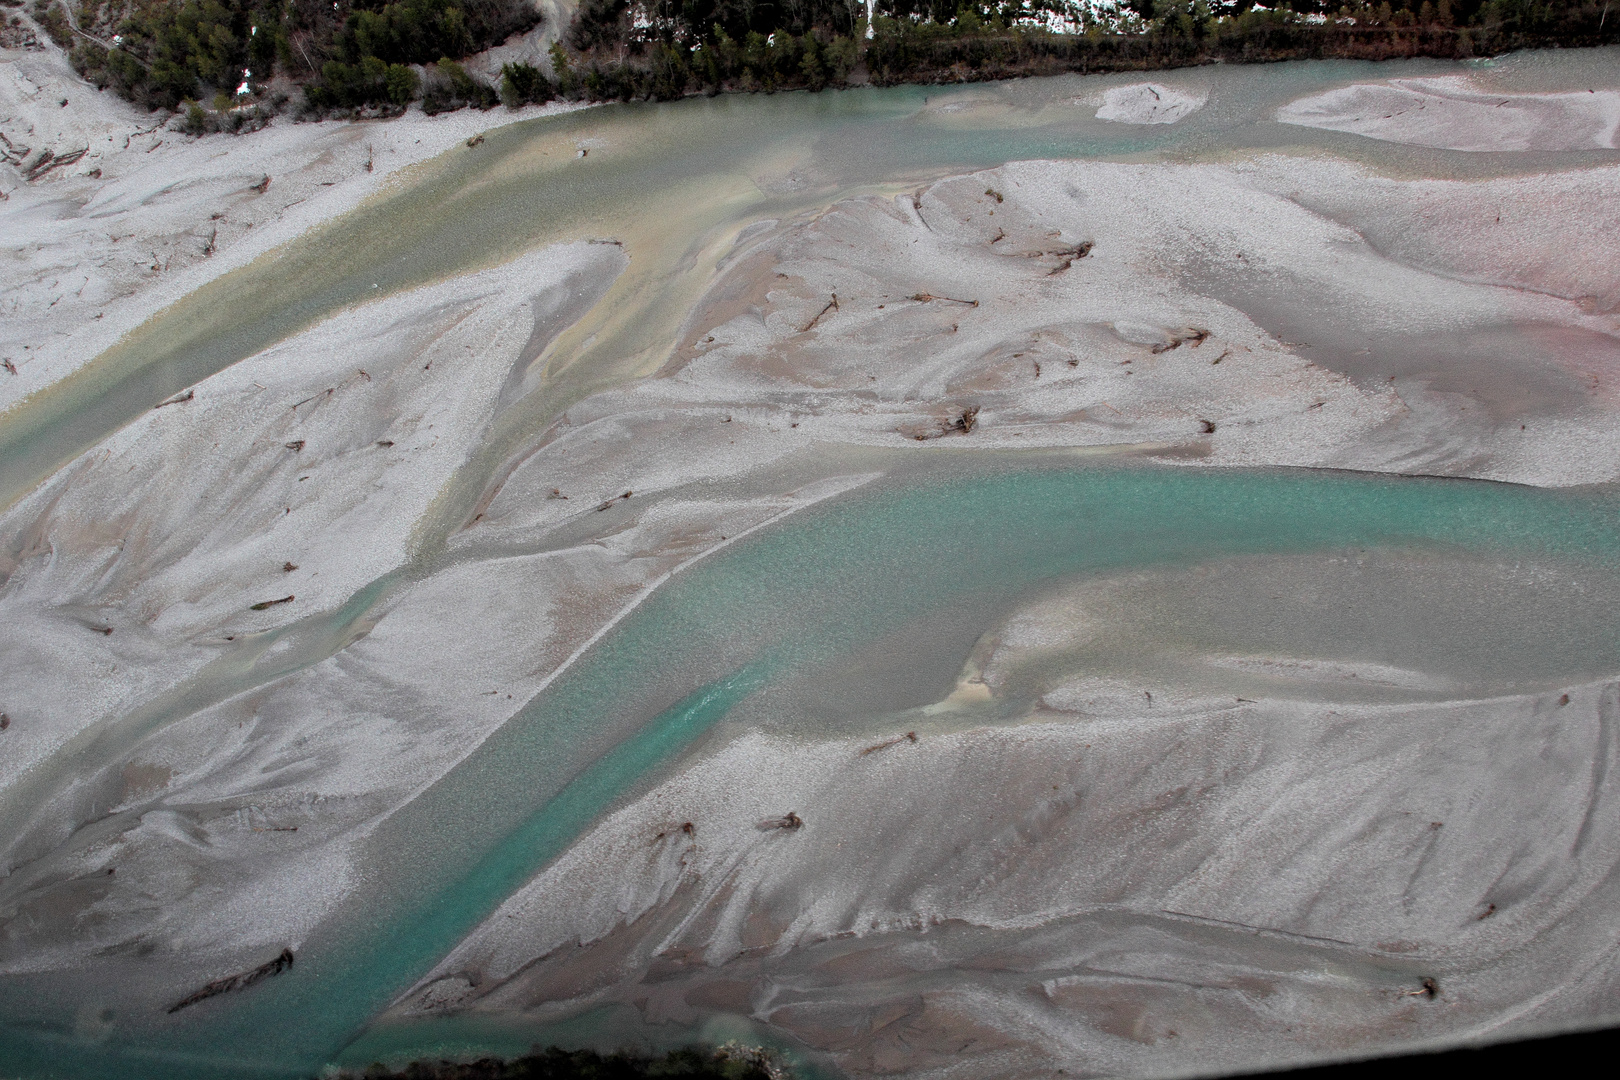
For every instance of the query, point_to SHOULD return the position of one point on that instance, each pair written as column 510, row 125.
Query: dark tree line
column 621, row 51
column 388, row 53
column 741, row 1063
column 160, row 53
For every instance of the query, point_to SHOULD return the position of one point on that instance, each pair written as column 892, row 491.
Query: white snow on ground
column 1453, row 113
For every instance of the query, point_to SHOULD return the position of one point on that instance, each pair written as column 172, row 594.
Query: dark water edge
column 1572, row 1052
column 729, row 1062
column 1551, row 1052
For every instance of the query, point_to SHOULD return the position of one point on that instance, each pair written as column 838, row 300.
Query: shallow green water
column 823, row 585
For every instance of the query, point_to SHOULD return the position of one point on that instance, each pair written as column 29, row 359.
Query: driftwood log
column 240, row 981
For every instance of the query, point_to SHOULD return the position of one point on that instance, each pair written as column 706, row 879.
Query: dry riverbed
column 199, row 739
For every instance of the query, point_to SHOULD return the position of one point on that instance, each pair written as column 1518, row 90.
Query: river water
column 791, row 601
column 675, row 184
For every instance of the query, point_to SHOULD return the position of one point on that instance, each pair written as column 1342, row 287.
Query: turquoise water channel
column 825, row 583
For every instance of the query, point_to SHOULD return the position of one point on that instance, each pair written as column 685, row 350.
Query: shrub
column 400, row 84
column 524, row 84
column 448, row 87
column 50, row 16
column 173, row 50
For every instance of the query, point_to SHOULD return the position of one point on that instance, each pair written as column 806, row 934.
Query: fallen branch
column 916, row 204
column 328, row 390
column 965, row 422
column 1194, row 337
column 264, row 605
column 1428, row 988
column 832, row 305
column 240, row 981
column 910, row 736
column 307, row 62
column 789, row 822
column 923, row 298
column 1076, row 251
column 48, row 161
column 177, row 399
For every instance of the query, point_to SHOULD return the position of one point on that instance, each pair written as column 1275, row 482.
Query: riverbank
column 111, row 214
column 161, row 213
column 903, row 51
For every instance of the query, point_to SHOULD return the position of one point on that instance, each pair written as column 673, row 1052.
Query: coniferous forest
column 321, row 57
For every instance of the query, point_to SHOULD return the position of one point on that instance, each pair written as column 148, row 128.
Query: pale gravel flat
column 356, row 425
column 1143, row 896
column 1455, row 113
column 1148, row 103
column 743, row 389
column 90, row 257
column 901, row 915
